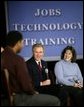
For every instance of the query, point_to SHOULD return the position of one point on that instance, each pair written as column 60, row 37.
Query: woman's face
column 68, row 55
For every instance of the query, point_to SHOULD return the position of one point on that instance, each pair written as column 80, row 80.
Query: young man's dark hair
column 13, row 37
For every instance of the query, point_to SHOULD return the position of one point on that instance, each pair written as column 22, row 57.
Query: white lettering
column 46, row 27
column 49, row 41
column 47, row 12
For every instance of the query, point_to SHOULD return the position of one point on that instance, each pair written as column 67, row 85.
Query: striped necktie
column 39, row 65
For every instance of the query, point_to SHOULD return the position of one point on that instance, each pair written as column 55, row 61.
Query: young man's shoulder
column 19, row 58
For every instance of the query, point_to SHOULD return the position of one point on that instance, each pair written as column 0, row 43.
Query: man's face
column 20, row 46
column 38, row 53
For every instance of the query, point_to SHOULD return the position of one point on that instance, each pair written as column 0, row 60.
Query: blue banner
column 55, row 24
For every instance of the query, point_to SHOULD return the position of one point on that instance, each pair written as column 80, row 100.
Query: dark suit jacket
column 34, row 71
column 19, row 77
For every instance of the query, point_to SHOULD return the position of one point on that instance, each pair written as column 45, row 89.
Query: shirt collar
column 38, row 61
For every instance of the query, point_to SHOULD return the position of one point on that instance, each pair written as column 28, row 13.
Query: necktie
column 39, row 65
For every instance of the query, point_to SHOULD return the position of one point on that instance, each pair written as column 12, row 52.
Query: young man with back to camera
column 19, row 78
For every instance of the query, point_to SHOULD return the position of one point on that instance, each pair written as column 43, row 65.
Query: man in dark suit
column 37, row 67
column 40, row 75
column 19, row 78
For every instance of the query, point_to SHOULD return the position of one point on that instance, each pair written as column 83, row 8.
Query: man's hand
column 36, row 92
column 46, row 82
